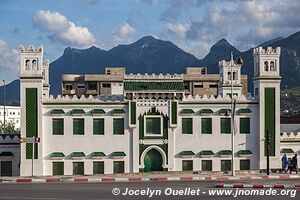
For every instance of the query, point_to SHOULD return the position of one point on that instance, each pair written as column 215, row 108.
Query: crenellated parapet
column 266, row 51
column 83, row 99
column 153, row 77
column 219, row 98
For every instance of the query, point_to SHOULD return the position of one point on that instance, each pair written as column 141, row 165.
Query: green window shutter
column 118, row 126
column 244, row 125
column 225, row 165
column 174, row 112
column 78, row 126
column 206, row 165
column 57, row 126
column 118, row 167
column 245, row 164
column 78, row 168
column 133, row 112
column 153, row 126
column 206, row 126
column 58, row 168
column 187, row 165
column 270, row 122
column 187, row 125
column 225, row 125
column 98, row 126
column 98, row 167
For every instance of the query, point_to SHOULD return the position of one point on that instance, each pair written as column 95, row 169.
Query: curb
column 144, row 179
column 276, row 186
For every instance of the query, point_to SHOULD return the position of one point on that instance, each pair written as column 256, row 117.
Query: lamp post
column 232, row 119
column 4, row 102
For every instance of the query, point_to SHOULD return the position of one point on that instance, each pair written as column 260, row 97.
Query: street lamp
column 4, row 102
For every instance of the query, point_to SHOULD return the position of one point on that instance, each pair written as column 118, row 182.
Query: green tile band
column 270, row 119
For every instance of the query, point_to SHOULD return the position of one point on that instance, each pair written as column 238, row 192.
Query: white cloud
column 179, row 29
column 9, row 57
column 123, row 33
column 60, row 29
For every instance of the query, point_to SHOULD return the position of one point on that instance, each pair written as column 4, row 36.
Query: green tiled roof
column 118, row 153
column 6, row 153
column 206, row 153
column 286, row 151
column 98, row 112
column 97, row 154
column 77, row 111
column 225, row 152
column 187, row 153
column 57, row 112
column 245, row 152
column 223, row 111
column 206, row 111
column 187, row 111
column 245, row 110
column 57, row 155
column 117, row 111
column 77, row 154
column 163, row 85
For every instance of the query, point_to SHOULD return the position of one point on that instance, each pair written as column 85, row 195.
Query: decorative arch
column 266, row 65
column 272, row 66
column 162, row 153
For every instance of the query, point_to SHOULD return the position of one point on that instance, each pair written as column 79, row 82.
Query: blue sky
column 193, row 25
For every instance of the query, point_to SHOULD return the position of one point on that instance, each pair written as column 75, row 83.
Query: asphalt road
column 97, row 191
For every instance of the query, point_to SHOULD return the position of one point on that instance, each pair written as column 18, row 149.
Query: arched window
column 266, row 64
column 234, row 76
column 229, row 76
column 27, row 65
column 272, row 66
column 34, row 65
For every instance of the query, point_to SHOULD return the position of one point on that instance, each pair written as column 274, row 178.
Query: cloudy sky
column 193, row 25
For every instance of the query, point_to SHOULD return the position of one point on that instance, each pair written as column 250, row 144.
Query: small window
column 108, row 72
column 225, row 125
column 198, row 85
column 118, row 167
column 81, row 86
column 187, row 165
column 245, row 125
column 206, row 165
column 206, row 126
column 57, row 126
column 98, row 167
column 245, row 164
column 78, row 126
column 187, row 125
column 225, row 165
column 118, row 126
column 69, row 86
column 153, row 125
column 78, row 168
column 92, row 86
column 266, row 66
column 272, row 66
column 213, row 85
column 186, row 85
column 106, row 85
column 98, row 126
column 57, row 168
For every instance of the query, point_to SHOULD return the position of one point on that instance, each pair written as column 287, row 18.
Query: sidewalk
column 144, row 177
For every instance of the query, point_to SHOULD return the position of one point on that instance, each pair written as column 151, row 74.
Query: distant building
column 12, row 115
column 117, row 122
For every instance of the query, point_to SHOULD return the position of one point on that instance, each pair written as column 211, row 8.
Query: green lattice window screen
column 78, row 168
column 58, row 168
column 78, row 126
column 118, row 167
column 98, row 167
column 118, row 126
column 187, row 125
column 133, row 112
column 225, row 125
column 174, row 112
column 31, row 121
column 153, row 126
column 206, row 125
column 245, row 125
column 187, row 165
column 245, row 164
column 206, row 165
column 225, row 165
column 57, row 126
column 98, row 126
column 270, row 119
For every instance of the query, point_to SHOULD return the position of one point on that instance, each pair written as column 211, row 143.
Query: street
column 97, row 191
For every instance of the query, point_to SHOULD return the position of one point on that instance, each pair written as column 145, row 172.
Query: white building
column 12, row 115
column 153, row 125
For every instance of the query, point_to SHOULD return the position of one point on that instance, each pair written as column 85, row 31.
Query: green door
column 153, row 161
column 6, row 168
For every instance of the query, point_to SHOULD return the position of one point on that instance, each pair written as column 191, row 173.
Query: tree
column 8, row 128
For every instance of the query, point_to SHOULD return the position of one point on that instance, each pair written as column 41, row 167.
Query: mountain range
column 151, row 55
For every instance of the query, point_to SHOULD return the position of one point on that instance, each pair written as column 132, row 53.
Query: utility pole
column 4, row 102
column 232, row 119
